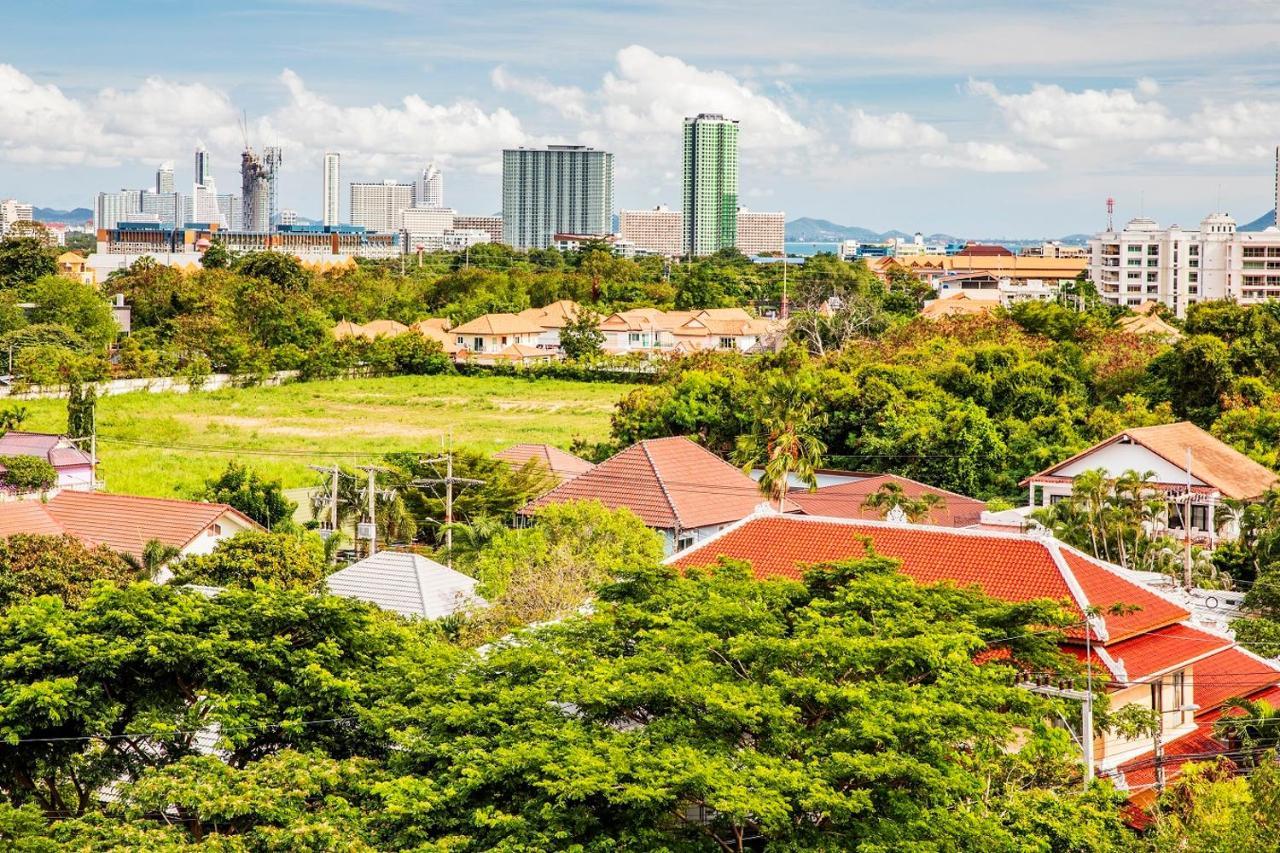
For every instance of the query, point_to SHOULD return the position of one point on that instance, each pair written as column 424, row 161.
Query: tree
column 280, row 268
column 23, row 260
column 242, row 487
column 81, row 403
column 1255, row 730
column 259, row 670
column 890, row 497
column 250, row 557
column 155, row 556
column 28, row 474
column 216, row 257
column 720, row 712
column 67, row 302
column 581, row 337
column 32, row 565
column 785, row 440
column 1210, row 808
column 549, row 569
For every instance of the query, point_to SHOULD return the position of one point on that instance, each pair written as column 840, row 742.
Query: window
column 1193, row 276
column 1193, row 250
column 1151, row 276
column 633, row 338
column 1174, row 514
column 684, row 541
column 504, row 340
column 1053, row 499
column 1157, row 699
column 479, row 344
column 1135, row 248
column 726, row 343
column 1199, row 517
column 1181, row 695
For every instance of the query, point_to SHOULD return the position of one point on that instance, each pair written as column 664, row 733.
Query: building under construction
column 257, row 175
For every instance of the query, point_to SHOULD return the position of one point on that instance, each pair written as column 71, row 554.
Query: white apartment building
column 11, row 211
column 332, row 186
column 288, row 216
column 1178, row 267
column 377, row 207
column 491, row 225
column 110, row 209
column 761, row 233
column 658, row 231
column 424, row 227
column 429, row 189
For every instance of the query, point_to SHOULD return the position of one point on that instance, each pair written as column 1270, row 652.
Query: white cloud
column 649, row 93
column 1052, row 116
column 569, row 101
column 892, row 132
column 983, row 157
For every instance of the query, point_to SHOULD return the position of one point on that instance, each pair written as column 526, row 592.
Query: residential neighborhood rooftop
column 406, row 583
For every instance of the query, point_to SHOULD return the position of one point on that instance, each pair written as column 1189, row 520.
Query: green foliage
column 688, row 713
column 1209, row 808
column 260, row 499
column 251, row 557
column 80, row 410
column 216, row 257
column 581, row 337
column 27, row 474
column 23, row 260
column 63, row 301
column 547, row 570
column 32, row 565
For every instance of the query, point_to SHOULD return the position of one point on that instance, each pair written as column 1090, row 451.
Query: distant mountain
column 1263, row 222
column 49, row 214
column 806, row 230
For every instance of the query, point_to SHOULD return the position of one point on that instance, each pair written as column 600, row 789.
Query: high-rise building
column 164, row 178
column 710, row 183
column 203, row 174
column 272, row 158
column 166, row 207
column 761, row 233
column 110, row 209
column 377, row 206
column 332, row 187
column 288, row 216
column 429, row 189
column 658, row 230
column 560, row 189
column 491, row 225
column 255, row 191
column 424, row 227
column 231, row 209
column 11, row 211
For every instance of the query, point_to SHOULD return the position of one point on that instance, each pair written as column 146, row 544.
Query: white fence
column 155, row 385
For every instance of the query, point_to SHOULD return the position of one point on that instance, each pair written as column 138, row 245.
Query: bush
column 27, row 474
column 283, row 559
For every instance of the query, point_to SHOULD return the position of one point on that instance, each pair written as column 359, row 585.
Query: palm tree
column 1256, row 730
column 890, row 496
column 785, row 439
column 155, row 554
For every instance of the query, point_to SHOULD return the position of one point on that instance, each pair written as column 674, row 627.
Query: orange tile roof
column 1144, row 656
column 564, row 465
column 1212, row 461
column 958, row 303
column 521, row 352
column 123, row 522
column 1233, row 672
column 671, row 483
column 388, row 328
column 1008, row 566
column 1148, row 324
column 1198, row 745
column 845, row 500
column 499, row 324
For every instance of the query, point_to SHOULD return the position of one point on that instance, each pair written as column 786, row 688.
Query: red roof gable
column 1007, row 566
column 671, row 483
column 561, row 463
column 845, row 500
column 1138, row 658
column 127, row 522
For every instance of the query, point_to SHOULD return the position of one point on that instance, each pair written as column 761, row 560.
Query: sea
column 804, row 250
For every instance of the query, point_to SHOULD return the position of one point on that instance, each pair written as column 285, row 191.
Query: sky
column 980, row 119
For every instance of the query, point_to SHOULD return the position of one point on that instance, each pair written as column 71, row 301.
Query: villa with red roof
column 675, row 486
column 562, row 464
column 847, row 498
column 1140, row 640
column 73, row 465
column 1182, row 457
column 126, row 523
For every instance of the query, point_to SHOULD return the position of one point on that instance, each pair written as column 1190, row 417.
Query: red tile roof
column 671, row 483
column 1138, row 658
column 845, row 500
column 122, row 522
column 1234, row 672
column 1008, row 566
column 562, row 464
column 1198, row 745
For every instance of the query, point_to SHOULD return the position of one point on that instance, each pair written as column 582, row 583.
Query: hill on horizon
column 51, row 214
column 1264, row 221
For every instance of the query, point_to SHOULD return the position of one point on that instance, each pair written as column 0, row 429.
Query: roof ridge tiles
column 1095, row 621
column 657, row 475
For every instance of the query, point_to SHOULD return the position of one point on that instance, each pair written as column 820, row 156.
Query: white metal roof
column 408, row 584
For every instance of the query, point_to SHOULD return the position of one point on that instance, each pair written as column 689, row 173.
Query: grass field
column 164, row 444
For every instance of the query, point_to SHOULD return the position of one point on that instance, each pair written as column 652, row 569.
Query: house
column 437, row 329
column 73, row 465
column 551, row 319
column 637, row 330
column 492, row 333
column 72, row 265
column 1145, row 321
column 371, row 330
column 408, row 584
column 848, row 500
column 562, row 465
column 1184, row 458
column 959, row 303
column 719, row 328
column 126, row 523
column 675, row 486
column 1141, row 641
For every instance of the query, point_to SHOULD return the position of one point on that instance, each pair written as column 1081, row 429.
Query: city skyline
column 846, row 114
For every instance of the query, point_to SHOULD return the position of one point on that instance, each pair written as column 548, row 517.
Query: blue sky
column 981, row 119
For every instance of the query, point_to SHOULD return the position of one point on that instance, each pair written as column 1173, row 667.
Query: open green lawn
column 363, row 416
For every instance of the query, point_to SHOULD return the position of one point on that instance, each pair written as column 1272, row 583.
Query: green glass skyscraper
column 710, row 183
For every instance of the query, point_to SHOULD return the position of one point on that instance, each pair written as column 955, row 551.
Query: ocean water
column 806, row 249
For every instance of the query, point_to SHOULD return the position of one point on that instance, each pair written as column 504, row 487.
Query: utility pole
column 1085, row 698
column 371, row 498
column 448, row 481
column 93, row 445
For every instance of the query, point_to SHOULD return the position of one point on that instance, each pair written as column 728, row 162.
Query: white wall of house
column 225, row 527
column 1118, row 457
column 1112, row 750
column 495, row 343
